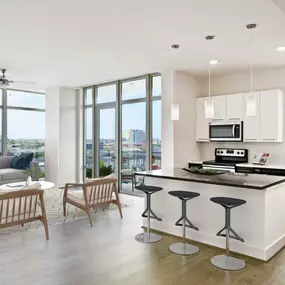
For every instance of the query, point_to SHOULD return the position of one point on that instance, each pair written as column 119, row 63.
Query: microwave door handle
column 234, row 126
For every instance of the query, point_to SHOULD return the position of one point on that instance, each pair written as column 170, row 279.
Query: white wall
column 52, row 135
column 186, row 89
column 238, row 83
column 178, row 137
column 61, row 135
column 167, row 86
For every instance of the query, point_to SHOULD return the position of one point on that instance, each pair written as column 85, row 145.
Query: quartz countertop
column 250, row 181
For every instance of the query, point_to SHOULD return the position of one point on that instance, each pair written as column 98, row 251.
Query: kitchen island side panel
column 247, row 220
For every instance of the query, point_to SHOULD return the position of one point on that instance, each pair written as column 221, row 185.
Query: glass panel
column 106, row 94
column 156, row 134
column 156, row 86
column 88, row 96
column 25, row 99
column 22, row 136
column 0, row 131
column 134, row 89
column 133, row 143
column 89, row 143
column 107, row 143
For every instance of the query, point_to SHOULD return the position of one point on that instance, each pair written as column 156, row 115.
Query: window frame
column 118, row 109
column 5, row 109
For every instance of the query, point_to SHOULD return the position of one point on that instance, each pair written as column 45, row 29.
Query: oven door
column 226, row 132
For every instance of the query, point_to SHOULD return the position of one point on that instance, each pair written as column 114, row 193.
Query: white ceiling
column 73, row 43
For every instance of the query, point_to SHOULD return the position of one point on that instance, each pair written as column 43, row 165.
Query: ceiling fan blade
column 280, row 4
column 25, row 82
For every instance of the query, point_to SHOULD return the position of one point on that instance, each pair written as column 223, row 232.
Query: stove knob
column 238, row 152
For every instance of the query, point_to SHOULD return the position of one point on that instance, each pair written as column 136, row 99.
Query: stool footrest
column 152, row 215
column 188, row 224
column 233, row 236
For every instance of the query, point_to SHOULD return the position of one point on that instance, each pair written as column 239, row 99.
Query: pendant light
column 174, row 107
column 251, row 103
column 209, row 103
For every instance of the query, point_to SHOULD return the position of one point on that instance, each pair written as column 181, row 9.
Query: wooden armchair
column 22, row 206
column 94, row 193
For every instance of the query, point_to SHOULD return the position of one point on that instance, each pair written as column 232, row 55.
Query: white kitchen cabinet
column 220, row 108
column 251, row 117
column 235, row 107
column 202, row 124
column 271, row 116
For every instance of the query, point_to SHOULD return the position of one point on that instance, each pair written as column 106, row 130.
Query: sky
column 133, row 115
column 25, row 124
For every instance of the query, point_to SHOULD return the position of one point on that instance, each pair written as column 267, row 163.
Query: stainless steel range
column 226, row 159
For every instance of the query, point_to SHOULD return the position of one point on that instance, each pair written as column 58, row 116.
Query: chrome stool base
column 148, row 238
column 183, row 248
column 227, row 263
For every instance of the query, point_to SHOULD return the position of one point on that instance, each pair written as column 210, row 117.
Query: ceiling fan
column 6, row 82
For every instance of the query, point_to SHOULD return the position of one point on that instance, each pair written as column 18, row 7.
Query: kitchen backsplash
column 276, row 150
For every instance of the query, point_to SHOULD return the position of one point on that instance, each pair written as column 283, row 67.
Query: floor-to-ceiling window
column 156, row 122
column 105, row 98
column 1, row 120
column 122, row 126
column 23, row 124
column 88, row 133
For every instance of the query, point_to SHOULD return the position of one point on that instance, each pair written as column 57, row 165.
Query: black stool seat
column 147, row 188
column 228, row 202
column 184, row 194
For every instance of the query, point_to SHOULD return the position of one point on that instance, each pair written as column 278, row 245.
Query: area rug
column 53, row 203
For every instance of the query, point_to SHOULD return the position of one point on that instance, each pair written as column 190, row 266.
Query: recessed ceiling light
column 280, row 48
column 175, row 46
column 214, row 62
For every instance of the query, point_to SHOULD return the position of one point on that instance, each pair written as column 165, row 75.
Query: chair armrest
column 69, row 185
column 35, row 170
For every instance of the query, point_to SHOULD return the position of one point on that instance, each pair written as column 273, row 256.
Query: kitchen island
column 260, row 222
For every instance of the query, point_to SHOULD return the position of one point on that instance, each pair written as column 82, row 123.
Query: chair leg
column 46, row 228
column 120, row 209
column 89, row 216
column 64, row 208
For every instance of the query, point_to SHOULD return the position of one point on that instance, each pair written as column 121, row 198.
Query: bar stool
column 148, row 237
column 227, row 262
column 184, row 248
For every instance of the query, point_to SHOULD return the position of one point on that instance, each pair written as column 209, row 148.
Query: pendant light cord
column 209, row 82
column 250, row 62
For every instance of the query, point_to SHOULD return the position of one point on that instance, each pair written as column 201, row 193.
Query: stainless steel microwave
column 226, row 131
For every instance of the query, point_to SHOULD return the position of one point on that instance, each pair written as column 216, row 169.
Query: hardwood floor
column 77, row 254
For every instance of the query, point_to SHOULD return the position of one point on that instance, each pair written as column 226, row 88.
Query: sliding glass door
column 107, row 141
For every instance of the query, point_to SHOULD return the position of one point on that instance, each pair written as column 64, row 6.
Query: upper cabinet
column 271, row 116
column 251, row 117
column 220, row 108
column 235, row 107
column 261, row 113
column 202, row 124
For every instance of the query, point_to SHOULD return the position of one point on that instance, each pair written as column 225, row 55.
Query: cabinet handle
column 203, row 139
column 218, row 119
column 268, row 139
column 250, row 139
column 234, row 119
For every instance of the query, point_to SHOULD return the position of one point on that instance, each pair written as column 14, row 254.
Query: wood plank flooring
column 108, row 254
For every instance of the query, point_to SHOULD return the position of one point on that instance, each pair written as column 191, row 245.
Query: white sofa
column 9, row 174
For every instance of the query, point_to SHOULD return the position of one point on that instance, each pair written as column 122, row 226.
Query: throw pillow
column 22, row 161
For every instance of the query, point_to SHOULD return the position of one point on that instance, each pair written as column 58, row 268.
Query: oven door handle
column 233, row 133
